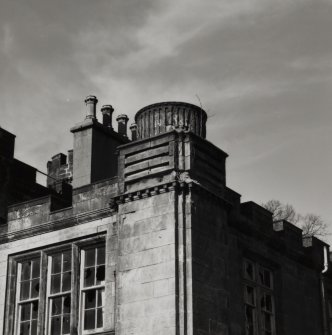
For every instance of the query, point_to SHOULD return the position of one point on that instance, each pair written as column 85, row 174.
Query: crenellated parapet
column 282, row 236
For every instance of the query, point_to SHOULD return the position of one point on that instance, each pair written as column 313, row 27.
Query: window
column 93, row 288
column 258, row 299
column 58, row 291
column 28, row 296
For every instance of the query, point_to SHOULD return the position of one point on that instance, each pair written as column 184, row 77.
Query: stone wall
column 101, row 226
column 221, row 242
column 146, row 271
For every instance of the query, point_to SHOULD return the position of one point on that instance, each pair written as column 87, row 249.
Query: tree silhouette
column 311, row 224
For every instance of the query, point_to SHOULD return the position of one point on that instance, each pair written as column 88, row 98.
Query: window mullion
column 42, row 293
column 259, row 311
column 18, row 292
column 74, row 312
column 48, row 307
column 12, row 310
column 62, row 302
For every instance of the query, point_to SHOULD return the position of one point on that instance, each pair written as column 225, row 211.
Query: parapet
column 282, row 236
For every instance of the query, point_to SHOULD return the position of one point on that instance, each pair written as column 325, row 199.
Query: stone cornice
column 55, row 225
column 181, row 185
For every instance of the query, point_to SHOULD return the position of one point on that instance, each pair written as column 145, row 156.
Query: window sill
column 102, row 332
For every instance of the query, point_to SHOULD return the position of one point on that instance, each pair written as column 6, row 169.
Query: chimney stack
column 91, row 102
column 94, row 157
column 107, row 111
column 133, row 129
column 122, row 124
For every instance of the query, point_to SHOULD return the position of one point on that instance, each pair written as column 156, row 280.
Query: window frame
column 49, row 296
column 260, row 289
column 11, row 324
column 83, row 290
column 18, row 301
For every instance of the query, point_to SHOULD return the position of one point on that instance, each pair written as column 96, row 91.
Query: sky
column 262, row 69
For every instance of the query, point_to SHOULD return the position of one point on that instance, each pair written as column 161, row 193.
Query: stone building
column 143, row 236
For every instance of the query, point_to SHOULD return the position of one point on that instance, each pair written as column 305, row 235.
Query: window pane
column 55, row 283
column 89, row 277
column 34, row 288
column 55, row 325
column 36, row 269
column 56, row 306
column 26, row 271
column 25, row 290
column 100, row 317
column 66, row 261
column 101, row 255
column 249, row 320
column 89, row 319
column 34, row 327
column 25, row 328
column 265, row 277
column 249, row 270
column 66, row 281
column 25, row 312
column 268, row 302
column 56, row 264
column 250, row 295
column 66, row 325
column 34, row 310
column 267, row 322
column 100, row 275
column 90, row 299
column 330, row 308
column 66, row 304
column 89, row 257
column 100, row 298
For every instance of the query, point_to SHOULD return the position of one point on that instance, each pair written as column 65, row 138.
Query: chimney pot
column 107, row 111
column 91, row 102
column 133, row 129
column 122, row 124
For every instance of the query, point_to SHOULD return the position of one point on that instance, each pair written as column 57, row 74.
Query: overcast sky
column 261, row 68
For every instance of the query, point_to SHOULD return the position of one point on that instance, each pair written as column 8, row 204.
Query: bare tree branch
column 311, row 224
column 281, row 212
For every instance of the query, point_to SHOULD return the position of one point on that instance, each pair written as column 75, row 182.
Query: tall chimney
column 94, row 157
column 91, row 103
column 122, row 124
column 133, row 129
column 107, row 111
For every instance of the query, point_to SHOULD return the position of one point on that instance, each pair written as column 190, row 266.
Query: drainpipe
column 322, row 285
